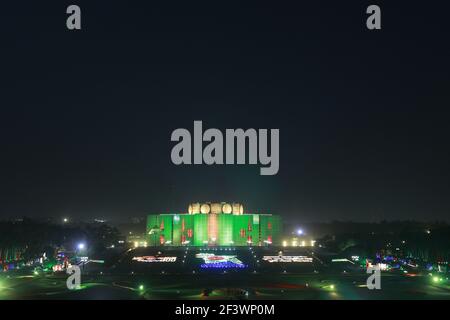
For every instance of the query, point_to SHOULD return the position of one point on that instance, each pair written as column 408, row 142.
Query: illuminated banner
column 288, row 259
column 222, row 261
column 154, row 259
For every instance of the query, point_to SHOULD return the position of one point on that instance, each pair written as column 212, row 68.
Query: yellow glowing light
column 284, row 243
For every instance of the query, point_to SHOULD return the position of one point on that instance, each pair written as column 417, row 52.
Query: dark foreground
column 221, row 286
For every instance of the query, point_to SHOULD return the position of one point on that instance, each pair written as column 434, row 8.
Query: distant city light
column 300, row 232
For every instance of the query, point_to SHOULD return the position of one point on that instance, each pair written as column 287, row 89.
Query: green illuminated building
column 219, row 224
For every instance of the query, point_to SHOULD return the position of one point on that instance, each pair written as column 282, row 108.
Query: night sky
column 86, row 116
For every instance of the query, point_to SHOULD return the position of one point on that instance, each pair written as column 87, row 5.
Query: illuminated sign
column 342, row 260
column 288, row 259
column 154, row 259
column 221, row 261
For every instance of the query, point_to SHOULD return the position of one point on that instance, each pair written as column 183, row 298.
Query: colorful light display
column 222, row 265
column 287, row 259
column 220, row 261
column 195, row 228
column 151, row 259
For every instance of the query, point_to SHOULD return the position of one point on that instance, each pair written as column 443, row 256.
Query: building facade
column 213, row 224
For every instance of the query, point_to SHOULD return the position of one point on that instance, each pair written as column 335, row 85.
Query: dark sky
column 86, row 116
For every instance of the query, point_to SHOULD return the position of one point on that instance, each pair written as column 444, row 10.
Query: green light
column 200, row 229
column 141, row 287
column 36, row 273
column 332, row 287
column 435, row 279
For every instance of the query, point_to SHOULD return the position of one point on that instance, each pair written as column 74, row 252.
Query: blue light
column 222, row 265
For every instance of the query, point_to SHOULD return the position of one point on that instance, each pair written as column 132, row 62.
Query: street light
column 81, row 246
column 299, row 232
column 65, row 220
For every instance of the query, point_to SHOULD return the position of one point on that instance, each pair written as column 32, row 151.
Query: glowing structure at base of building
column 213, row 224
